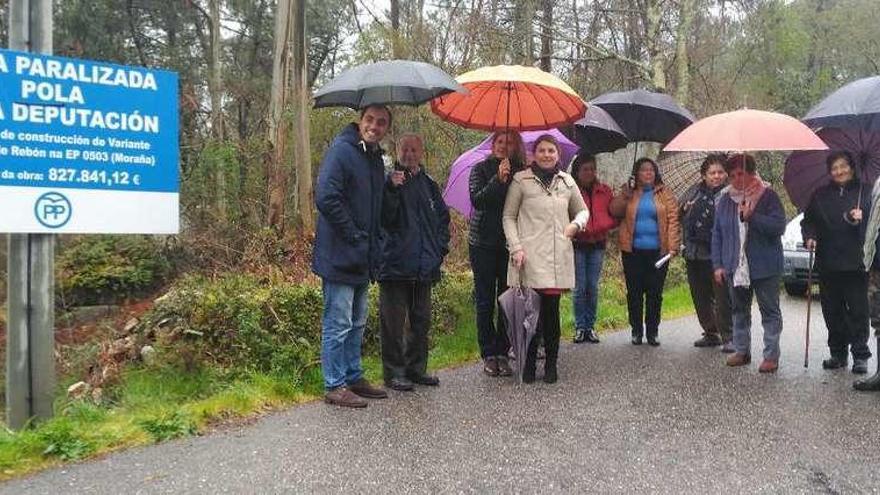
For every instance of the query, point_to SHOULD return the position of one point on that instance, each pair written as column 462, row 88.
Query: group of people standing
column 535, row 225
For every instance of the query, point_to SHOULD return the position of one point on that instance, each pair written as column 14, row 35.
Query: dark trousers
column 548, row 331
column 490, row 280
column 404, row 321
column 844, row 297
column 644, row 290
column 712, row 301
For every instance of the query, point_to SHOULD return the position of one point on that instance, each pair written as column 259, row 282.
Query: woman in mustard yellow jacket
column 649, row 230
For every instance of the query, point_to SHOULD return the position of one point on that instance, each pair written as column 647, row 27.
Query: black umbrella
column 855, row 105
column 597, row 132
column 394, row 82
column 646, row 116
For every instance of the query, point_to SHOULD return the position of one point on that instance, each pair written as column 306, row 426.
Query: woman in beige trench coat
column 543, row 211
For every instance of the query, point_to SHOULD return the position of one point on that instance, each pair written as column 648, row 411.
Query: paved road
column 622, row 419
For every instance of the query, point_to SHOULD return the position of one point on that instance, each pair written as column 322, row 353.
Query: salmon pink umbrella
column 510, row 97
column 747, row 130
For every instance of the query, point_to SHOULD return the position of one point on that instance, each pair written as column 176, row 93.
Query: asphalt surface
column 671, row 419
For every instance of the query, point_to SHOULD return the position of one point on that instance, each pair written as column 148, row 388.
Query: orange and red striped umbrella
column 510, row 97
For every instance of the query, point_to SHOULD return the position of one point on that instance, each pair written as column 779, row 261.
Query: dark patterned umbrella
column 394, row 82
column 805, row 171
column 680, row 171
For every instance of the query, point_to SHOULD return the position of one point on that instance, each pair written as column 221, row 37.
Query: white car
column 796, row 259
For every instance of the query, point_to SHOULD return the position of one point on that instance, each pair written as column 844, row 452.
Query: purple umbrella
column 457, row 194
column 805, row 171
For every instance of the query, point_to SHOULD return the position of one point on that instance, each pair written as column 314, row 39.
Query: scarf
column 545, row 176
column 750, row 195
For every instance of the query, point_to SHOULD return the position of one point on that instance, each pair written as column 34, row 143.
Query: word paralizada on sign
column 82, row 73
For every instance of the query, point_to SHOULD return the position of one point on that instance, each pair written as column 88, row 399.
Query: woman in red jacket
column 589, row 246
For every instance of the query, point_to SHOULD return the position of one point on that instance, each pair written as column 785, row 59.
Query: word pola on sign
column 87, row 147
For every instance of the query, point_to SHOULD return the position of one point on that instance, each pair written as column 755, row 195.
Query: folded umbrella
column 510, row 97
column 521, row 307
column 391, row 82
column 457, row 193
column 805, row 171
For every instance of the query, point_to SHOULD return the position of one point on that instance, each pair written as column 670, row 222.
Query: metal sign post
column 30, row 328
column 86, row 147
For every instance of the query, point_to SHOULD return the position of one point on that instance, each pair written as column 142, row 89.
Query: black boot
column 550, row 374
column 835, row 362
column 871, row 384
column 531, row 362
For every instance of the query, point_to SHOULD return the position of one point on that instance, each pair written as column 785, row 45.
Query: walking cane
column 809, row 303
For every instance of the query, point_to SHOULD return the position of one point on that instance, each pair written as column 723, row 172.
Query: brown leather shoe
column 364, row 389
column 768, row 366
column 343, row 397
column 738, row 359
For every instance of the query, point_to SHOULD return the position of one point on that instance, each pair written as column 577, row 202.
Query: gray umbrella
column 521, row 307
column 597, row 132
column 393, row 82
column 855, row 105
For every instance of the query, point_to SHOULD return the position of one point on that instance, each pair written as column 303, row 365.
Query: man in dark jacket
column 416, row 225
column 833, row 226
column 347, row 250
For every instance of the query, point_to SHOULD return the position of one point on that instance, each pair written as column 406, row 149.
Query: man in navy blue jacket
column 347, row 251
column 416, row 224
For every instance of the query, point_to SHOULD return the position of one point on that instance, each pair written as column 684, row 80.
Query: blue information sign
column 87, row 146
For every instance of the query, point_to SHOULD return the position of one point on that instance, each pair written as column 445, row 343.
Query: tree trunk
column 683, row 76
column 396, row 42
column 546, row 34
column 525, row 14
column 276, row 171
column 658, row 68
column 300, row 110
column 216, row 89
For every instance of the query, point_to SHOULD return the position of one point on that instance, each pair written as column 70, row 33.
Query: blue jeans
column 766, row 290
column 587, row 269
column 343, row 322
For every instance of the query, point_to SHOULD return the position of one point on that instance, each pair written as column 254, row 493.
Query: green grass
column 156, row 404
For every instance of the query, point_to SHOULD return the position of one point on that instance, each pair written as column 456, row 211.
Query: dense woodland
column 246, row 197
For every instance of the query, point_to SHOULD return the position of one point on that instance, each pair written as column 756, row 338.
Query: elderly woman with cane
column 544, row 209
column 833, row 226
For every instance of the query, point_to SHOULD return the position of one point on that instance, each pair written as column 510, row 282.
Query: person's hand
column 626, row 190
column 519, row 258
column 856, row 214
column 810, row 244
column 571, row 230
column 397, row 178
column 504, row 170
column 746, row 209
column 719, row 276
column 673, row 252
